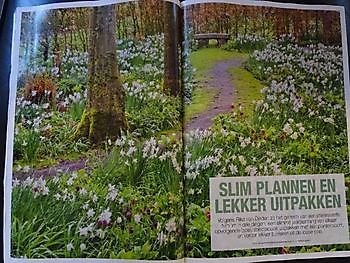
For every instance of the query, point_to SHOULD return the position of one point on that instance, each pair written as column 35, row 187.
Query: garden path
column 62, row 167
column 219, row 79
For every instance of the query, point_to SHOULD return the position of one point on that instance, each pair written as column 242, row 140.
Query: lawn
column 247, row 88
column 203, row 61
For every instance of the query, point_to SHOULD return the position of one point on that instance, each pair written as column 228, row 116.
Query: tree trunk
column 326, row 27
column 104, row 116
column 171, row 83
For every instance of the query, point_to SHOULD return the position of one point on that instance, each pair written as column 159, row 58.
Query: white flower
column 242, row 160
column 105, row 217
column 90, row 213
column 137, row 218
column 329, row 120
column 287, row 129
column 56, row 179
column 70, row 181
column 70, row 247
column 233, row 169
column 86, row 206
column 45, row 190
column 82, row 191
column 57, row 196
column 131, row 151
column 46, row 106
column 162, row 238
column 120, row 142
column 100, row 233
column 171, row 225
column 83, row 231
column 119, row 220
column 112, row 192
column 82, row 246
column 15, row 182
column 39, row 187
column 244, row 141
column 74, row 175
column 28, row 182
column 251, row 170
column 26, row 169
column 294, row 136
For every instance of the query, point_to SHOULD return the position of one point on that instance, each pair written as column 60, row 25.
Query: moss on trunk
column 104, row 116
column 98, row 126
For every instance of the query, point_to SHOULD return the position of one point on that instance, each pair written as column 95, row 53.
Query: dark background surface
column 6, row 23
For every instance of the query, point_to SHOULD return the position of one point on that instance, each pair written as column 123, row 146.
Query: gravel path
column 218, row 79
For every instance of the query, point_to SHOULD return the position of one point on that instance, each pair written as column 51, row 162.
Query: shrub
column 68, row 86
column 246, row 43
column 40, row 89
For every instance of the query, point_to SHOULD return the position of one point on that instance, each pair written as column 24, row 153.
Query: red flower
column 283, row 250
column 207, row 214
column 103, row 223
column 128, row 214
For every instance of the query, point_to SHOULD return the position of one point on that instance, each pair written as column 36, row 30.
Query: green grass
column 203, row 60
column 201, row 100
column 247, row 88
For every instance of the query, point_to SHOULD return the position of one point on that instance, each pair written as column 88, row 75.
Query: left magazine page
column 94, row 140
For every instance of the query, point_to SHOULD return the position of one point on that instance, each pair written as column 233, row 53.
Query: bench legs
column 205, row 42
column 221, row 42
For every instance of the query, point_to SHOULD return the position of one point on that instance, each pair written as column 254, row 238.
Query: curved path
column 62, row 167
column 219, row 79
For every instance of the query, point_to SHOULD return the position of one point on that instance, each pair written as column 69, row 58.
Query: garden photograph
column 266, row 98
column 123, row 113
column 97, row 149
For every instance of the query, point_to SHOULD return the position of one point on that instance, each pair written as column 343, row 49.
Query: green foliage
column 154, row 116
column 205, row 59
column 69, row 86
column 247, row 89
column 64, row 218
column 76, row 110
column 247, row 43
column 26, row 144
column 201, row 100
column 297, row 126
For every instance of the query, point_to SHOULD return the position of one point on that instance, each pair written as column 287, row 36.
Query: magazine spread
column 159, row 130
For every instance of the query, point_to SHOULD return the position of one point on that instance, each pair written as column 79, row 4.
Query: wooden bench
column 203, row 39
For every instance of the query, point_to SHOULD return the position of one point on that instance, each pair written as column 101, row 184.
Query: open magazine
column 159, row 130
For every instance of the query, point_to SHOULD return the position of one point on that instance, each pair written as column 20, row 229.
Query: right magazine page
column 266, row 129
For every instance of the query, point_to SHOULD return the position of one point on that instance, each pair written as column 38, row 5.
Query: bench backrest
column 212, row 36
